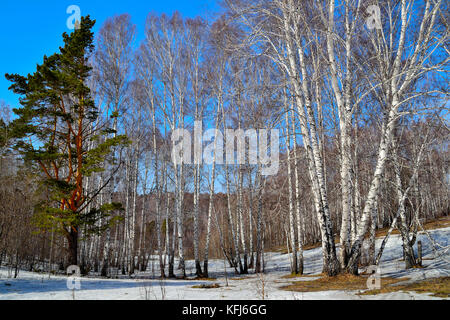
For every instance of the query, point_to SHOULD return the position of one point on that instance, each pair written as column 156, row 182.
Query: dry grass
column 439, row 287
column 443, row 222
column 293, row 275
column 339, row 282
column 206, row 286
column 440, row 223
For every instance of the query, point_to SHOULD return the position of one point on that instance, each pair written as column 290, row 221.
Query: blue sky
column 31, row 28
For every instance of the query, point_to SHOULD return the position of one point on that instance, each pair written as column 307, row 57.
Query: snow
column 31, row 285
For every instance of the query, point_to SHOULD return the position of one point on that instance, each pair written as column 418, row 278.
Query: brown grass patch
column 439, row 287
column 339, row 282
column 443, row 222
column 440, row 223
column 202, row 279
column 293, row 275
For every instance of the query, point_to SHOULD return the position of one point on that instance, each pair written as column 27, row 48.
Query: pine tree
column 55, row 124
column 3, row 134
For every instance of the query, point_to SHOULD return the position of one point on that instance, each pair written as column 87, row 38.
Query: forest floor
column 429, row 282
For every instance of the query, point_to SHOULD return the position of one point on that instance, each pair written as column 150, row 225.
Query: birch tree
column 113, row 61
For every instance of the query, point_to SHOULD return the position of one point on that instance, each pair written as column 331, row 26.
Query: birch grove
column 360, row 104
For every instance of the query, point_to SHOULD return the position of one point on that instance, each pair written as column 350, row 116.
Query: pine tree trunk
column 72, row 240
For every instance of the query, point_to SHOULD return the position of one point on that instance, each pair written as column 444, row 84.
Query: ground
column 274, row 284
